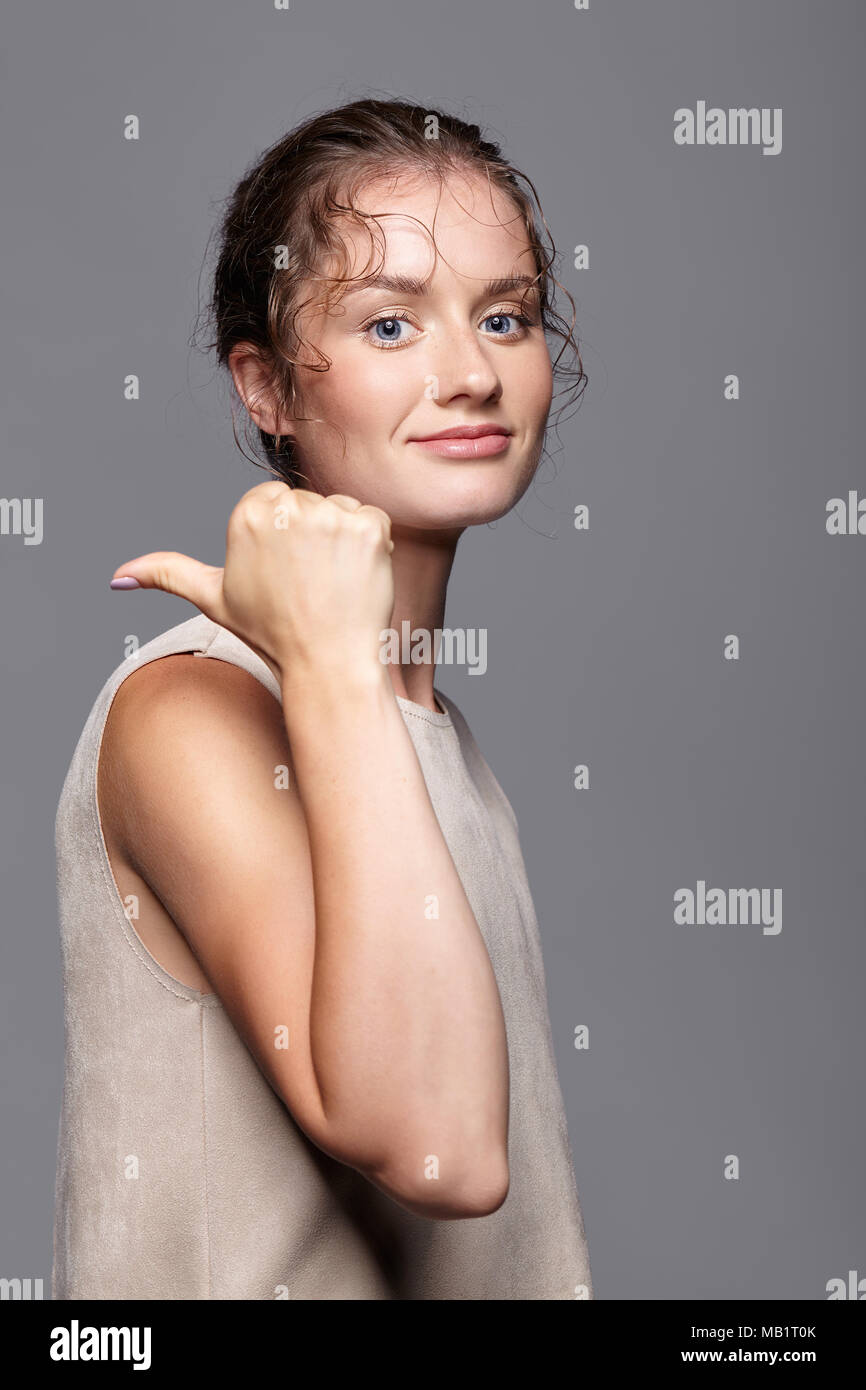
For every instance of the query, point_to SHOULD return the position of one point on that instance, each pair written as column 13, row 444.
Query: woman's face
column 409, row 362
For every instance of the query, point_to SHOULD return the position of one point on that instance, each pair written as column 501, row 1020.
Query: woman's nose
column 463, row 366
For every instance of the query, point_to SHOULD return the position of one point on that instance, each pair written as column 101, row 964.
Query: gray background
column 707, row 518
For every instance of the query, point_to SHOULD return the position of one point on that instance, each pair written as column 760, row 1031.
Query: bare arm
column 306, row 908
column 406, row 1027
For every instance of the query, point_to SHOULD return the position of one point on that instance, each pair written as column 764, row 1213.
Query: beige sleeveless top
column 181, row 1174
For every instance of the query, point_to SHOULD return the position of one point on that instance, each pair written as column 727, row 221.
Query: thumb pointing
column 178, row 574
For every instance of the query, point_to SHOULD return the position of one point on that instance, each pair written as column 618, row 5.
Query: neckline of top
column 432, row 716
column 440, row 718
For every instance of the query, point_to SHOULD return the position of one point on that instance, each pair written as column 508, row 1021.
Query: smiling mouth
column 462, row 432
column 467, row 441
column 484, row 446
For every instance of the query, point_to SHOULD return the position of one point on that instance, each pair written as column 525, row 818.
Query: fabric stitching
column 416, row 714
column 440, row 717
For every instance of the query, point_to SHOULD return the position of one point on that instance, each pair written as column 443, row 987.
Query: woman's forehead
column 466, row 227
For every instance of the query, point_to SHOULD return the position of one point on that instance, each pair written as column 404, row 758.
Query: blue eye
column 390, row 336
column 389, row 329
column 502, row 319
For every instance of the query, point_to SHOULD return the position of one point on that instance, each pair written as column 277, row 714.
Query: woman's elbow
column 487, row 1197
column 479, row 1191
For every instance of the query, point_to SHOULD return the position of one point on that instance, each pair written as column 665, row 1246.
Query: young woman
column 308, row 1047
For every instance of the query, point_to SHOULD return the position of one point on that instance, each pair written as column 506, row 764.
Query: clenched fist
column 307, row 582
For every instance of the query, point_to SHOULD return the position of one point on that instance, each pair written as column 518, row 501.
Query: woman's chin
column 440, row 516
column 469, row 497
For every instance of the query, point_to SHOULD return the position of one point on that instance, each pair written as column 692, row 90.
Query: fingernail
column 126, row 581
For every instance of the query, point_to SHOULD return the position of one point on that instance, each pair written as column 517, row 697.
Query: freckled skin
column 484, row 370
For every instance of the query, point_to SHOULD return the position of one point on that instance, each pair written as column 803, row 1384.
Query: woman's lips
column 483, row 447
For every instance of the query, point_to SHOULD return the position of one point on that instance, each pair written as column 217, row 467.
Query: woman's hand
column 307, row 582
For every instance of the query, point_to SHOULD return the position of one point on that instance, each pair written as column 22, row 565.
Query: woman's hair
column 280, row 229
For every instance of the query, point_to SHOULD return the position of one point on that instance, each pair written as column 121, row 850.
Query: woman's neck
column 422, row 567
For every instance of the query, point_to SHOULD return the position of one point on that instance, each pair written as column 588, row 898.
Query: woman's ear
column 254, row 384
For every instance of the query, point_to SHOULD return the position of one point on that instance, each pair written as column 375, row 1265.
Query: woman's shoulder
column 170, row 658
column 164, row 692
column 176, row 727
column 177, row 686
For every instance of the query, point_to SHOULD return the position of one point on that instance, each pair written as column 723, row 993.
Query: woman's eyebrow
column 408, row 284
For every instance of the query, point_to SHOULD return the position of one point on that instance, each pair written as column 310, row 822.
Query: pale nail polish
column 126, row 581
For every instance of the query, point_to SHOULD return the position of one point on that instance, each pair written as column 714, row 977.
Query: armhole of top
column 163, row 976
